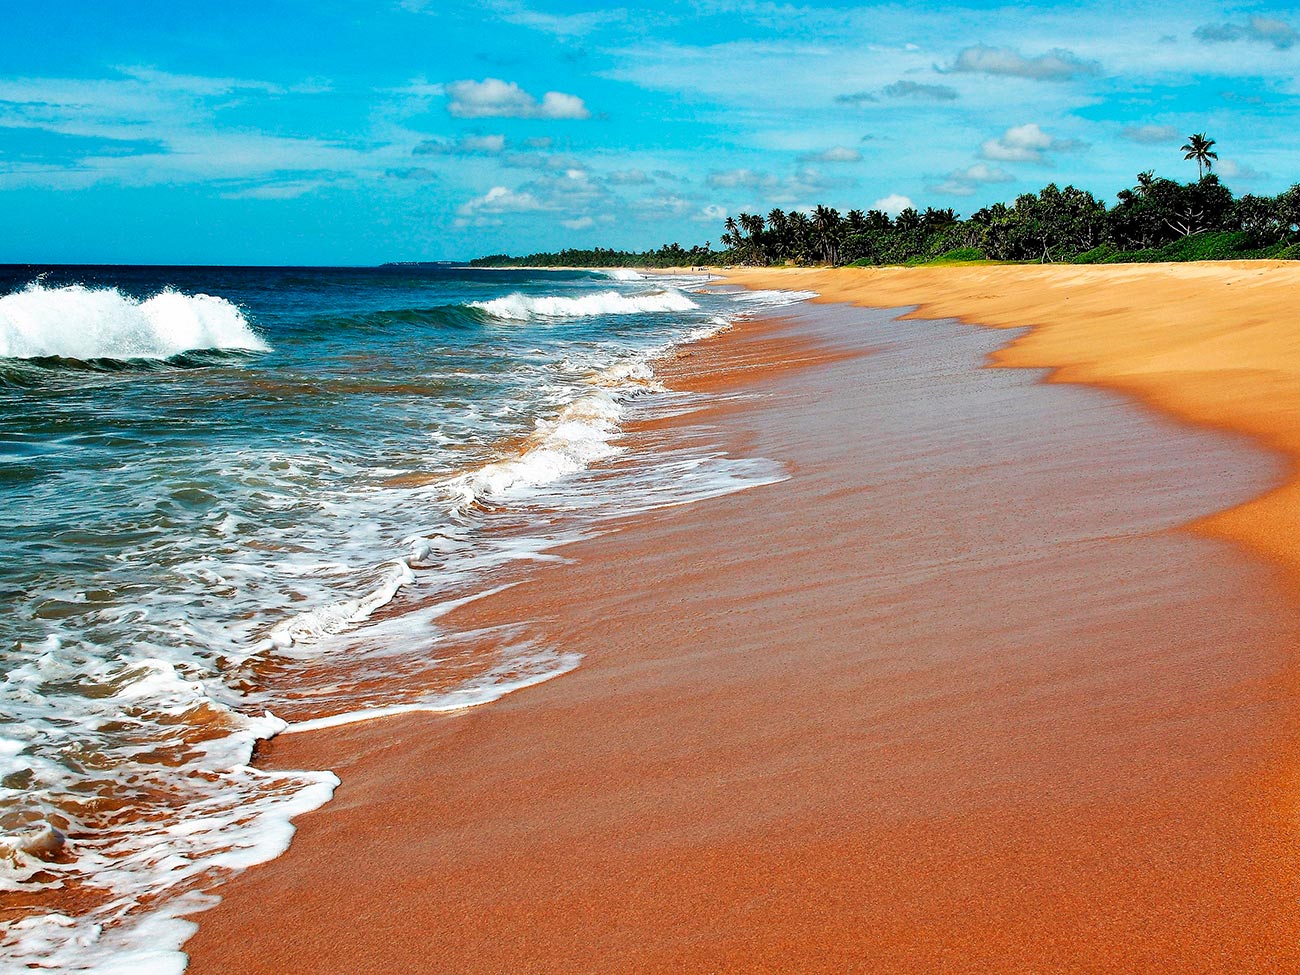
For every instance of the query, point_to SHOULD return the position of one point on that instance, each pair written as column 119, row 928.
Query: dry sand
column 960, row 695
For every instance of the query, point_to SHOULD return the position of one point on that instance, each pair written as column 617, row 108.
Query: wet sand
column 960, row 695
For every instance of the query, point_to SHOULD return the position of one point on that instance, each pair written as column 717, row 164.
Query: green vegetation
column 670, row 255
column 1156, row 219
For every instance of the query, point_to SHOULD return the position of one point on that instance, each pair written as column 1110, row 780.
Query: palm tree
column 1145, row 179
column 1198, row 148
column 826, row 224
column 752, row 226
column 800, row 230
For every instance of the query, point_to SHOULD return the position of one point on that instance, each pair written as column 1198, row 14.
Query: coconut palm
column 1198, row 148
column 826, row 225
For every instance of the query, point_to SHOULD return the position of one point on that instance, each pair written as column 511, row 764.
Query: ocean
column 239, row 502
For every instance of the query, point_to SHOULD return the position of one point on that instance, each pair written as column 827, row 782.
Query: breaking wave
column 522, row 308
column 76, row 322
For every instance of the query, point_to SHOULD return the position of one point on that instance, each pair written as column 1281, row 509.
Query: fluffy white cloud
column 1025, row 143
column 1056, row 65
column 893, row 204
column 494, row 98
column 571, row 195
column 499, row 199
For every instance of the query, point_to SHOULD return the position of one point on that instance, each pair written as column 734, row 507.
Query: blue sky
column 361, row 131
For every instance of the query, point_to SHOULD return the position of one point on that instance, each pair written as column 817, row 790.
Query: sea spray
column 522, row 308
column 76, row 322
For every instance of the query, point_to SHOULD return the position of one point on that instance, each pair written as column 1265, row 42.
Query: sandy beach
column 1001, row 678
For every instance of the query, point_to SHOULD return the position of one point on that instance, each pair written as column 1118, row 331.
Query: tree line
column 1155, row 219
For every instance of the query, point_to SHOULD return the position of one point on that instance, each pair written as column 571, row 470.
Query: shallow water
column 214, row 479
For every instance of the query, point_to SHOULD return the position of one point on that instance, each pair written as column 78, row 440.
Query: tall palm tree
column 752, row 225
column 826, row 224
column 1145, row 179
column 1198, row 148
column 800, row 229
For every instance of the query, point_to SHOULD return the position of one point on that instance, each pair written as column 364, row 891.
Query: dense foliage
column 1155, row 220
column 670, row 255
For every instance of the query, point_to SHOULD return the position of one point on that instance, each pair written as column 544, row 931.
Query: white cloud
column 163, row 129
column 893, row 204
column 857, row 98
column 422, row 89
column 921, row 92
column 277, row 191
column 965, row 182
column 544, row 161
column 1025, row 143
column 466, row 145
column 836, row 154
column 1230, row 169
column 494, row 98
column 627, row 177
column 1056, row 65
column 1262, row 30
column 745, row 178
column 1150, row 135
column 570, row 194
column 798, row 187
column 557, row 25
column 499, row 199
column 580, row 223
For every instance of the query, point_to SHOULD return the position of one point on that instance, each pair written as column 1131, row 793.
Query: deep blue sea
column 238, row 502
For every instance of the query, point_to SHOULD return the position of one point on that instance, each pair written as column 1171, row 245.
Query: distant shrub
column 959, row 254
column 1101, row 254
column 1221, row 246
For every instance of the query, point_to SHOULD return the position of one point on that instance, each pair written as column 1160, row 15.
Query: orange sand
column 957, row 697
column 1214, row 343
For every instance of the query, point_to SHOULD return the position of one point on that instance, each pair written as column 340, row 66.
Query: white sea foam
column 310, row 626
column 522, row 308
column 227, row 815
column 623, row 274
column 293, row 561
column 76, row 322
column 528, row 665
column 772, row 299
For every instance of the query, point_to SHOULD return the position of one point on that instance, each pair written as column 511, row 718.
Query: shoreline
column 708, row 804
column 1156, row 332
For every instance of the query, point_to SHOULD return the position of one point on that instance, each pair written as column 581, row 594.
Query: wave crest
column 521, row 308
column 76, row 322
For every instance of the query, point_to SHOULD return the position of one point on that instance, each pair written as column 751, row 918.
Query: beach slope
column 961, row 694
